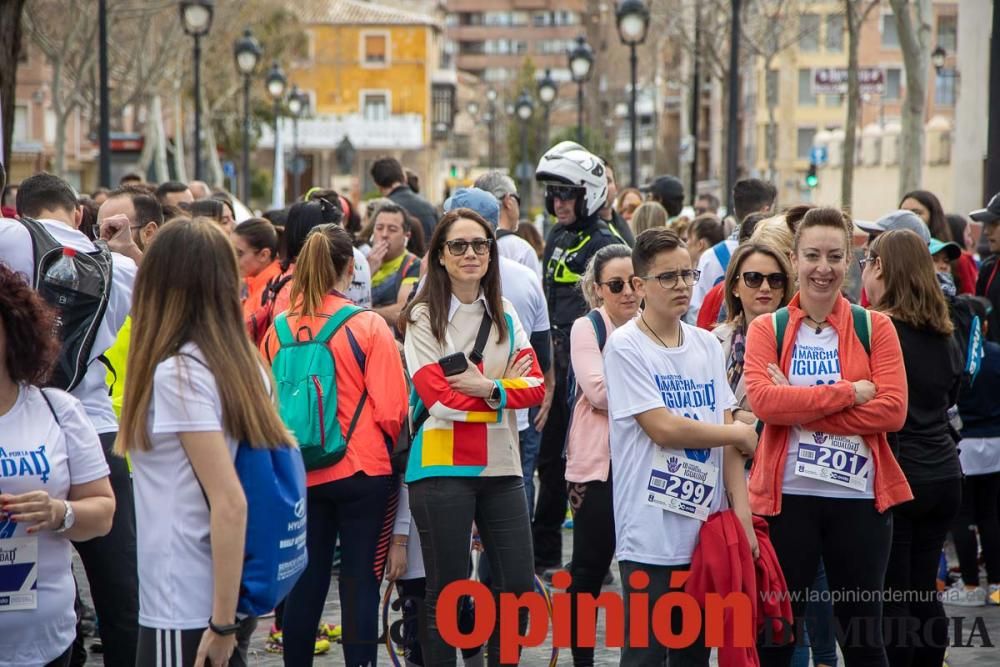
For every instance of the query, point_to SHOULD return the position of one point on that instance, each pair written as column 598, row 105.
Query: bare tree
column 10, row 52
column 913, row 23
column 856, row 12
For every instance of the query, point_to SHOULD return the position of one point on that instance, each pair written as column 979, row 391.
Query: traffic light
column 454, row 171
column 812, row 179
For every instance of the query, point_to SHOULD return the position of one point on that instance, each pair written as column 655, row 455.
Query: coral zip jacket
column 827, row 408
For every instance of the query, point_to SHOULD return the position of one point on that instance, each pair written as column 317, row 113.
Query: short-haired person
column 899, row 279
column 824, row 475
column 174, row 193
column 668, row 192
column 199, row 190
column 256, row 244
column 705, row 231
column 463, row 463
column 131, row 178
column 610, row 291
column 110, row 561
column 750, row 195
column 649, row 215
column 144, row 213
column 390, row 179
column 927, row 207
column 55, row 488
column 706, row 202
column 213, row 209
column 199, row 389
column 669, row 402
column 501, row 186
column 609, row 215
column 351, row 498
column 987, row 285
column 395, row 271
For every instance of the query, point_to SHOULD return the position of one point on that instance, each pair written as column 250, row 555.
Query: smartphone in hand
column 453, row 364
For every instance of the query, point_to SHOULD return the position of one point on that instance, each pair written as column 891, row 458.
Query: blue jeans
column 530, row 439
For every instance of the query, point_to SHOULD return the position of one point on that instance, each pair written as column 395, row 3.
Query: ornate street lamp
column 196, row 17
column 633, row 22
column 247, row 53
column 581, row 59
column 276, row 83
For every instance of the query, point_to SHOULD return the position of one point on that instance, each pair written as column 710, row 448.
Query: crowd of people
column 792, row 392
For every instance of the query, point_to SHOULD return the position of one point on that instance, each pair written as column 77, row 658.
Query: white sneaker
column 993, row 594
column 960, row 596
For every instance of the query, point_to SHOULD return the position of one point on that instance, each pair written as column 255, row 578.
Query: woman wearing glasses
column 899, row 279
column 824, row 475
column 472, row 365
column 607, row 286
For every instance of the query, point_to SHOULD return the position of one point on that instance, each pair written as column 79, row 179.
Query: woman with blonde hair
column 196, row 389
column 649, row 215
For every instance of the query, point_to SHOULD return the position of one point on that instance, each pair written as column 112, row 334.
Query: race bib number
column 18, row 574
column 681, row 485
column 837, row 459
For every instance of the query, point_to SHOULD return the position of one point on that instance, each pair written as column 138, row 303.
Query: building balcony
column 325, row 132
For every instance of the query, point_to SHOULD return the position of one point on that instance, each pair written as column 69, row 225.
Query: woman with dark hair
column 55, row 488
column 228, row 210
column 472, row 365
column 928, row 208
column 899, row 279
column 303, row 217
column 256, row 244
column 205, row 208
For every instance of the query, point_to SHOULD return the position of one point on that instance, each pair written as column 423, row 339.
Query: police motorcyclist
column 576, row 188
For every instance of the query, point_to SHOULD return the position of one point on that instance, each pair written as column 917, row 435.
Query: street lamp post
column 633, row 21
column 196, row 16
column 104, row 127
column 581, row 58
column 938, row 56
column 491, row 118
column 547, row 91
column 525, row 107
column 297, row 101
column 247, row 52
column 276, row 83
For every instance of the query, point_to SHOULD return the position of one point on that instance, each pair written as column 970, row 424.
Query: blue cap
column 897, row 220
column 480, row 201
column 953, row 249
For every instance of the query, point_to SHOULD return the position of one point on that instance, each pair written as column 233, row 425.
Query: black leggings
column 916, row 628
column 853, row 540
column 593, row 547
column 979, row 510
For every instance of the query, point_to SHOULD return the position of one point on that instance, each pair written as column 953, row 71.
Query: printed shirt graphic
column 690, row 381
column 37, row 453
column 815, row 361
column 171, row 513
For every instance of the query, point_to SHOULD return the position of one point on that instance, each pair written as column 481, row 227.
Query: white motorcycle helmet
column 569, row 164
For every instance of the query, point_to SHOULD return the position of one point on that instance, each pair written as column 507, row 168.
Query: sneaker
column 993, row 594
column 333, row 632
column 960, row 596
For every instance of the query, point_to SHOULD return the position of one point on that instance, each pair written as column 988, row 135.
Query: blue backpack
column 601, row 331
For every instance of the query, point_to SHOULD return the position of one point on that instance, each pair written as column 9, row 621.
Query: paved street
column 958, row 656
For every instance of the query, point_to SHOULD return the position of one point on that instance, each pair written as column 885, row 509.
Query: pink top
column 588, row 451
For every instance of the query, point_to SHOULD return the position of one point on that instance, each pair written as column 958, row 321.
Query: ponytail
column 321, row 263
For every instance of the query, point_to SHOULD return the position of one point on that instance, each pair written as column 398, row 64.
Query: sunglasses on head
column 754, row 279
column 616, row 285
column 563, row 192
column 459, row 247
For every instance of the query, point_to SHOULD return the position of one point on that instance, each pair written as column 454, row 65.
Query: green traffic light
column 812, row 181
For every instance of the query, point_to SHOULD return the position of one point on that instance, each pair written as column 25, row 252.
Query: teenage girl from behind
column 196, row 388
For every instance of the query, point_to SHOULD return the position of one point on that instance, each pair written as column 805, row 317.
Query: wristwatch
column 224, row 630
column 69, row 518
column 495, row 394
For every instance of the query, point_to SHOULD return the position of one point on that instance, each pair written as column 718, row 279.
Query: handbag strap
column 484, row 333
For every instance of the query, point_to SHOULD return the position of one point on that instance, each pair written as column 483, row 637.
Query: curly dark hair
column 29, row 329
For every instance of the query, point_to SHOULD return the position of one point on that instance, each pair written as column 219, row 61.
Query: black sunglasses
column 616, row 285
column 563, row 192
column 459, row 247
column 754, row 279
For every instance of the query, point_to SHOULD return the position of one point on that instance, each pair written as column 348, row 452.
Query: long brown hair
column 322, row 262
column 199, row 304
column 734, row 307
column 436, row 291
column 912, row 293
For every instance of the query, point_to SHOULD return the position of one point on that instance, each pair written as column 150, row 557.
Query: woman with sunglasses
column 824, row 475
column 899, row 279
column 607, row 286
column 471, row 365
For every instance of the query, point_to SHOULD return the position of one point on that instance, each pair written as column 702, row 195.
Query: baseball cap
column 664, row 188
column 480, row 201
column 897, row 220
column 989, row 214
column 953, row 250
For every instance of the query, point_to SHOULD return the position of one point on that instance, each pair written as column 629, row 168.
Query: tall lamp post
column 547, row 91
column 525, row 107
column 491, row 118
column 633, row 22
column 297, row 102
column 104, row 126
column 247, row 52
column 581, row 58
column 196, row 16
column 276, row 83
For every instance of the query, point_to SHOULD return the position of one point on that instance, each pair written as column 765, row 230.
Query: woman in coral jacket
column 824, row 475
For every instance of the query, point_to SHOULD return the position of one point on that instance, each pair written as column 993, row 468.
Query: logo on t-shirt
column 816, row 362
column 681, row 393
column 25, row 463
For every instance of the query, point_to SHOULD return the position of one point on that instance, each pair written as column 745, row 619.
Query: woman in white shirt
column 196, row 389
column 53, row 485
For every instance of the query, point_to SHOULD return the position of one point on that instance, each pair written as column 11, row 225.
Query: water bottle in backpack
column 63, row 273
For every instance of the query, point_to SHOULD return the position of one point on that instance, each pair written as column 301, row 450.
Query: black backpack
column 80, row 311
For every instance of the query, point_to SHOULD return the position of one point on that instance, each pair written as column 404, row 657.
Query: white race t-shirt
column 171, row 512
column 38, row 453
column 524, row 291
column 519, row 250
column 712, row 271
column 690, row 381
column 16, row 252
column 360, row 291
column 979, row 456
column 815, row 361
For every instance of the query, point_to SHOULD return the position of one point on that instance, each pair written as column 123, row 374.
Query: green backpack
column 306, row 374
column 862, row 326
